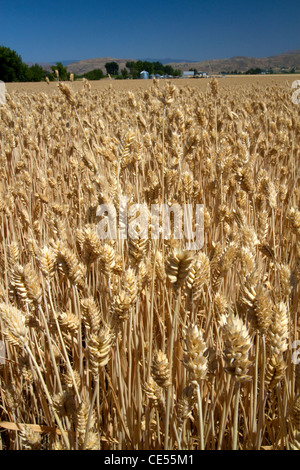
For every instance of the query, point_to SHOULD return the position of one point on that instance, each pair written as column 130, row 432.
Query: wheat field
column 136, row 343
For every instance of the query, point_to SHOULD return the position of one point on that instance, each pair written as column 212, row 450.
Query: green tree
column 158, row 68
column 95, row 74
column 253, row 71
column 168, row 69
column 12, row 68
column 63, row 73
column 125, row 74
column 177, row 73
column 36, row 73
column 130, row 66
column 112, row 68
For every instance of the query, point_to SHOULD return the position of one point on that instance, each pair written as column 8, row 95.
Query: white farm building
column 188, row 74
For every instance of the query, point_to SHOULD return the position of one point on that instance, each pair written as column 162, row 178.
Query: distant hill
column 285, row 61
column 83, row 66
column 45, row 65
column 168, row 61
column 277, row 63
column 67, row 62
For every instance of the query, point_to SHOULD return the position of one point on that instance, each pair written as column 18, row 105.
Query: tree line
column 155, row 68
column 132, row 70
column 13, row 69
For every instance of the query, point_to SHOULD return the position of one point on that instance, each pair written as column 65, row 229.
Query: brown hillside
column 284, row 61
column 279, row 62
column 87, row 65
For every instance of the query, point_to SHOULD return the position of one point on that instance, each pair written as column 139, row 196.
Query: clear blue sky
column 42, row 31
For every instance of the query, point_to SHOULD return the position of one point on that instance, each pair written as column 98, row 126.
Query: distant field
column 201, row 83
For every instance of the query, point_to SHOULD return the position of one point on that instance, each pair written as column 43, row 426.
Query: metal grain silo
column 144, row 75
